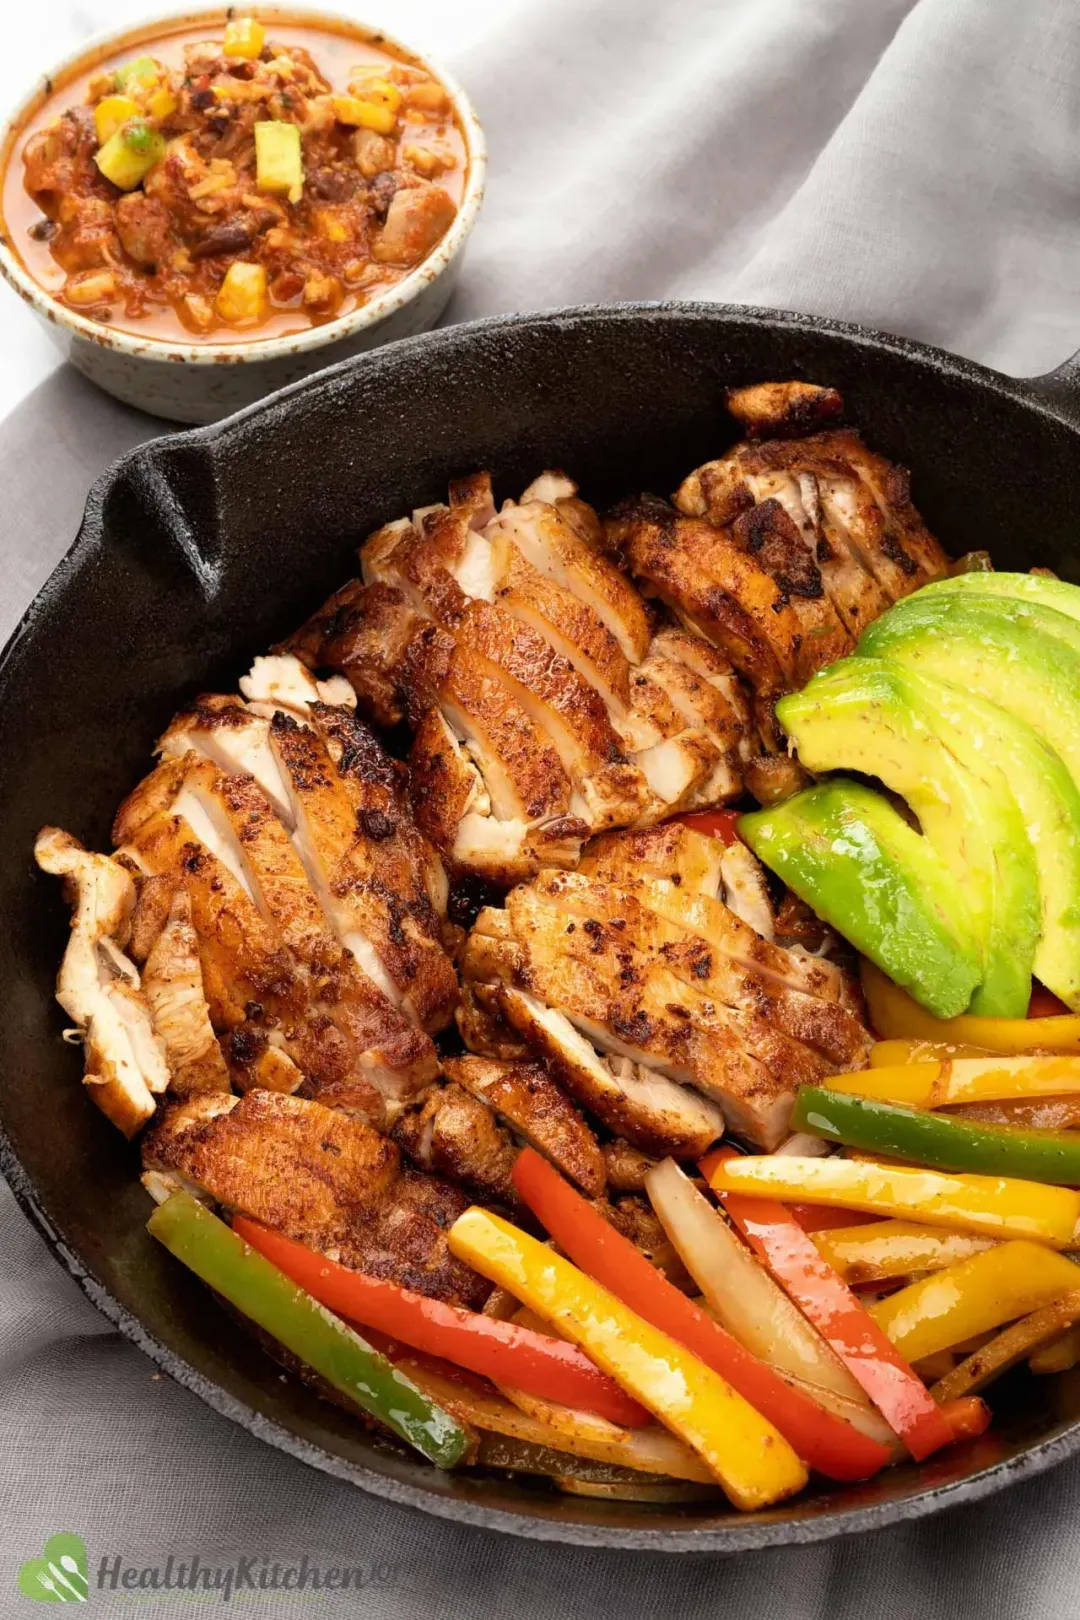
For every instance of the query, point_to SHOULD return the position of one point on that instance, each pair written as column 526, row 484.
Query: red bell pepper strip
column 824, row 1442
column 1044, row 1004
column 722, row 824
column 502, row 1351
column 824, row 1218
column 790, row 1254
column 967, row 1416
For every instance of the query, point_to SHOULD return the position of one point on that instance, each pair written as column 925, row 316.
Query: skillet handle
column 1060, row 389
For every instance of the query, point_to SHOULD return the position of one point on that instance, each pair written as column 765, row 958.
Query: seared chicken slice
column 365, row 876
column 554, row 548
column 626, row 1166
column 526, row 1099
column 98, row 986
column 557, row 490
column 173, row 986
column 650, row 1111
column 773, row 632
column 745, row 890
column 696, row 960
column 282, row 681
column 453, row 1133
column 380, row 1040
column 364, row 632
column 326, row 1179
column 775, row 409
column 717, row 693
column 772, row 778
column 520, row 769
column 483, row 1028
column 561, row 705
column 689, row 860
column 634, row 1006
column 228, row 733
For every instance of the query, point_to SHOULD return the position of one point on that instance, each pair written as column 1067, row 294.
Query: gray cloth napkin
column 914, row 164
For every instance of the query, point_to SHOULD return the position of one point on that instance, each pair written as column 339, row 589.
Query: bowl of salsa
column 212, row 205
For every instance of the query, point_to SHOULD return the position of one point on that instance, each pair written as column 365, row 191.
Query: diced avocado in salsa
column 140, row 71
column 279, row 166
column 130, row 153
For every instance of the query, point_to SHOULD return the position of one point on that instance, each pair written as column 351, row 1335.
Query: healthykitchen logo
column 62, row 1575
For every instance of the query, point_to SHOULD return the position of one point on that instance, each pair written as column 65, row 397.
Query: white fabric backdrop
column 913, row 164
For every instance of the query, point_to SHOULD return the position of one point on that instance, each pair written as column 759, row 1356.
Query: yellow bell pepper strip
column 789, row 1252
column 1010, row 1346
column 964, row 1080
column 751, row 1460
column 939, row 1141
column 887, row 1249
column 893, row 1014
column 260, row 1291
column 1058, row 1355
column 828, row 1447
column 896, row 1054
column 973, row 1296
column 991, row 1206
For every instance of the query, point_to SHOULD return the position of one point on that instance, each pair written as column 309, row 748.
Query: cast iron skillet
column 200, row 549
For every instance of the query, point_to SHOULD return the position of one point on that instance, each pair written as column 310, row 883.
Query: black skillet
column 200, row 549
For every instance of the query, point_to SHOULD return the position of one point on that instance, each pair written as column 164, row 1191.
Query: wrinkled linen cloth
column 911, row 164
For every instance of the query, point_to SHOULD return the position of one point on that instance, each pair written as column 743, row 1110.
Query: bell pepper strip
column 964, row 1080
column 751, row 1460
column 862, row 1346
column 941, row 1142
column 501, row 1351
column 739, row 1292
column 1044, row 1004
column 1009, row 1347
column 722, row 824
column 896, row 1054
column 829, row 1447
column 652, row 1450
column 888, row 1249
column 894, row 1014
column 260, row 1291
column 820, row 1218
column 967, row 1417
column 1058, row 1355
column 989, row 1206
column 974, row 1296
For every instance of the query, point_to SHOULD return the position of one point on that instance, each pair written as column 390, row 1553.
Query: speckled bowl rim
column 157, row 350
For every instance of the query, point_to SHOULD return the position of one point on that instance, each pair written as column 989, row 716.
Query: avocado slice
column 882, row 719
column 843, row 849
column 1020, row 656
column 1037, row 589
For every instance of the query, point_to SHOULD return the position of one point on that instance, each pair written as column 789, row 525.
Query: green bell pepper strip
column 937, row 1141
column 233, row 1269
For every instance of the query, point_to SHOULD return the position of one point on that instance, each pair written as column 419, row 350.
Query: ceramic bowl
column 202, row 382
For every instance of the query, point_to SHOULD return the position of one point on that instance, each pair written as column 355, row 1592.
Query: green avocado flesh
column 1033, row 588
column 884, row 720
column 848, row 854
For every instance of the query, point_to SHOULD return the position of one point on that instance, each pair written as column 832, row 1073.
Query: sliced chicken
column 173, row 986
column 745, row 889
column 526, row 1099
column 684, row 766
column 98, row 986
column 483, row 1028
column 631, row 1005
column 376, row 1037
column 324, row 1178
column 233, row 737
column 364, row 632
column 363, row 870
column 775, row 409
column 650, row 1111
column 645, row 922
column 688, row 860
column 455, row 1134
column 626, row 1166
column 775, row 626
column 554, row 548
